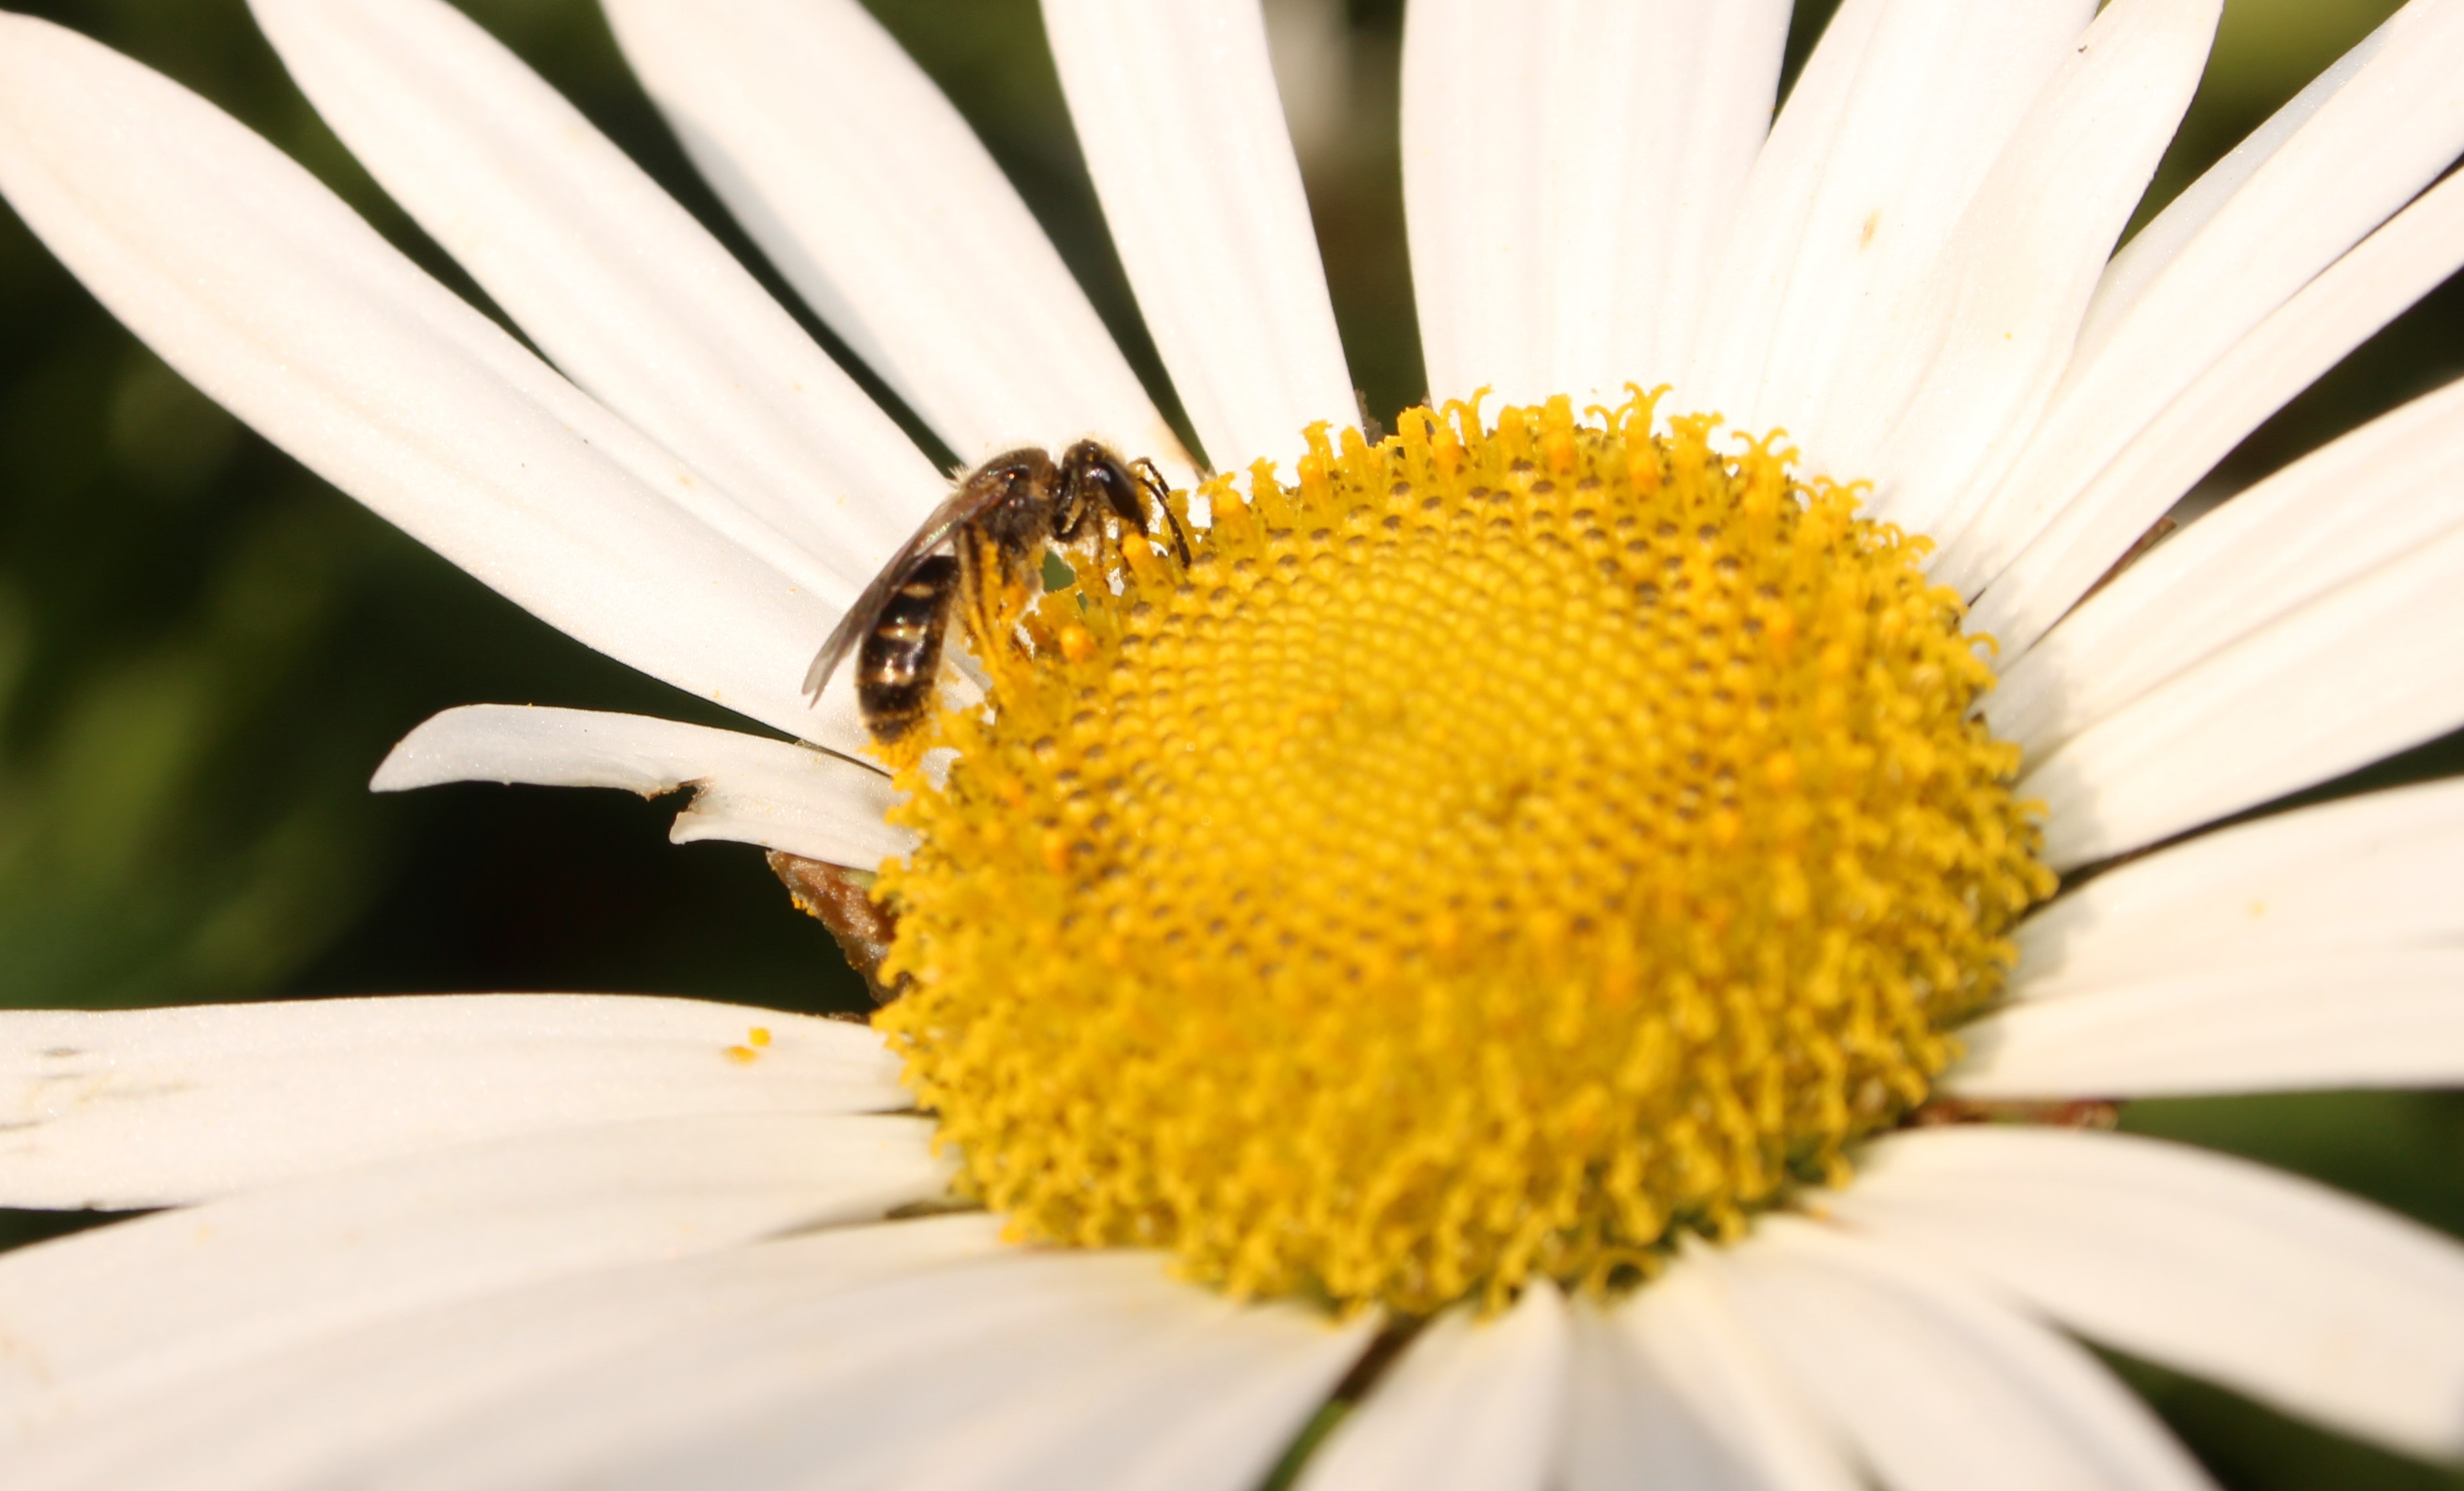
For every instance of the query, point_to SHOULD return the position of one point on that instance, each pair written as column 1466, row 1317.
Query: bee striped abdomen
column 898, row 663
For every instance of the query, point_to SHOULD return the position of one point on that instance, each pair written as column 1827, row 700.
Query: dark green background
column 204, row 651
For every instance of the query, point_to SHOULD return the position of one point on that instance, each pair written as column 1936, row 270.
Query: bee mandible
column 997, row 522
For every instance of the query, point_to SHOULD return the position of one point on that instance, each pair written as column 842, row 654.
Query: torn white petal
column 745, row 788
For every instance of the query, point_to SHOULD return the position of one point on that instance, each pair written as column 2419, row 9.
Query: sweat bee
column 997, row 522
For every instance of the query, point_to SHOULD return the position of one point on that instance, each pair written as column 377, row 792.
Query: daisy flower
column 1458, row 979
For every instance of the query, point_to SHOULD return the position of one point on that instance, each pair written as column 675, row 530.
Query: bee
column 997, row 522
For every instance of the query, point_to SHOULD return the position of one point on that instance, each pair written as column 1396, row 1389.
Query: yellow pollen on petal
column 1499, row 852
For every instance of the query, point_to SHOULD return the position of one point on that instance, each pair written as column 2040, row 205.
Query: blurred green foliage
column 204, row 651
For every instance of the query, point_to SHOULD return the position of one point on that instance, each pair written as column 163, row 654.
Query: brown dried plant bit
column 1495, row 851
column 841, row 899
column 2141, row 547
column 2052, row 1113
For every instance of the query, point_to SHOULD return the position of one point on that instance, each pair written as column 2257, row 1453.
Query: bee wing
column 961, row 506
column 841, row 642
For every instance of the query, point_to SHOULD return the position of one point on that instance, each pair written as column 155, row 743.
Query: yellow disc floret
column 1489, row 856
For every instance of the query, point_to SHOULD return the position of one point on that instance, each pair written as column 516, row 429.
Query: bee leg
column 1160, row 491
column 1179, row 534
column 995, row 589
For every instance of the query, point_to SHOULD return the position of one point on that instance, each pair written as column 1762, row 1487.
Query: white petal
column 264, row 290
column 1739, row 319
column 1474, row 208
column 1940, row 87
column 2155, row 245
column 2356, row 1019
column 1972, row 360
column 2286, row 1290
column 366, row 1407
column 2363, row 874
column 2323, row 522
column 1669, row 1390
column 1623, row 1427
column 2344, row 307
column 1177, row 113
column 2390, row 132
column 1471, row 1403
column 882, row 209
column 147, row 1107
column 745, row 788
column 1941, row 1389
column 1205, row 1399
column 1229, row 1436
column 188, row 1292
column 842, row 1387
column 619, row 285
column 2356, row 674
column 1654, row 113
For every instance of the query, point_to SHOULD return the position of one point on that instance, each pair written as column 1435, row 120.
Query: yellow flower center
column 1486, row 858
